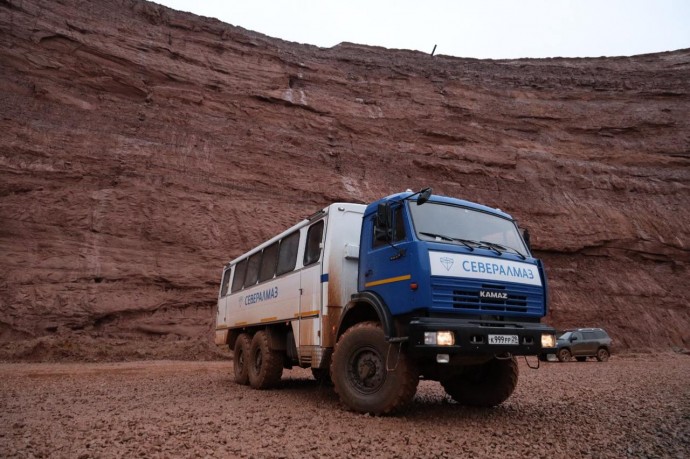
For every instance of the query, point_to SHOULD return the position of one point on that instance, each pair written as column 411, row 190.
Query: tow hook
column 530, row 366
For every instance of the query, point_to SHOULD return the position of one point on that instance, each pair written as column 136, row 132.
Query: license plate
column 504, row 339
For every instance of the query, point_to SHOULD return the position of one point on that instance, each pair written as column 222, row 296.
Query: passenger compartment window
column 287, row 257
column 269, row 262
column 312, row 253
column 252, row 270
column 238, row 280
column 226, row 281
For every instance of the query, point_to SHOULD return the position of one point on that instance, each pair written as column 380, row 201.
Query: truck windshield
column 453, row 224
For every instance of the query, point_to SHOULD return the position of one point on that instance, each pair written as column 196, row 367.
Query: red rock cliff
column 143, row 148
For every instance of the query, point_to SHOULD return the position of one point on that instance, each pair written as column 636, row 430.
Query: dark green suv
column 582, row 343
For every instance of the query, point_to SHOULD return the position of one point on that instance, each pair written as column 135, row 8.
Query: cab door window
column 395, row 234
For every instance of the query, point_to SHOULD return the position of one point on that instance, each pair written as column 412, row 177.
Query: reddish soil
column 633, row 406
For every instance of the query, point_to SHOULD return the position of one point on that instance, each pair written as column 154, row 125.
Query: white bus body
column 299, row 278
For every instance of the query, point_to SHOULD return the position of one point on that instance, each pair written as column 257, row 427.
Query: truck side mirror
column 424, row 196
column 525, row 236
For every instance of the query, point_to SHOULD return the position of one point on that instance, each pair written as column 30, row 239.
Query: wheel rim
column 240, row 360
column 565, row 355
column 258, row 360
column 366, row 370
column 603, row 355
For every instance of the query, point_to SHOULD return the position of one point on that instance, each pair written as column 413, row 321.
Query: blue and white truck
column 376, row 297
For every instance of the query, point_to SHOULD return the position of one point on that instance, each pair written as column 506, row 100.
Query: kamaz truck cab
column 457, row 295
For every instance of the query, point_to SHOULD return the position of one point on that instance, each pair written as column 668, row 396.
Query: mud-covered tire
column 581, row 359
column 603, row 354
column 322, row 375
column 564, row 355
column 265, row 365
column 364, row 379
column 240, row 362
column 484, row 385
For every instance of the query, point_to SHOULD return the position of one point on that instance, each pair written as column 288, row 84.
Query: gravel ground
column 631, row 406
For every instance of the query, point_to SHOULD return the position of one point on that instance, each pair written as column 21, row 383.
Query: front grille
column 472, row 299
column 465, row 295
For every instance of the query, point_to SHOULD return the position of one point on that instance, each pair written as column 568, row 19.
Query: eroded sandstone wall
column 142, row 148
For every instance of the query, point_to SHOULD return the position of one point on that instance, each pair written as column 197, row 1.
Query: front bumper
column 472, row 337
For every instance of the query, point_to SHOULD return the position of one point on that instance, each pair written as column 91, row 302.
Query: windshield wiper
column 495, row 247
column 464, row 242
column 440, row 236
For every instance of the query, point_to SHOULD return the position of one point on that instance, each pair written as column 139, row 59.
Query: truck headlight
column 548, row 340
column 439, row 338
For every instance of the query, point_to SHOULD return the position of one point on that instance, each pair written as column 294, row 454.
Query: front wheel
column 369, row 374
column 484, row 385
column 564, row 355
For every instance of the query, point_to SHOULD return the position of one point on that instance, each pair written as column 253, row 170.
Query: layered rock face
column 143, row 148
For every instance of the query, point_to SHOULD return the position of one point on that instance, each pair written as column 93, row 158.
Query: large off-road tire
column 371, row 375
column 484, row 385
column 564, row 355
column 265, row 365
column 603, row 354
column 240, row 359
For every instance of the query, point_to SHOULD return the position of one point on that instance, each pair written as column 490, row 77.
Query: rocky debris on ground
column 635, row 406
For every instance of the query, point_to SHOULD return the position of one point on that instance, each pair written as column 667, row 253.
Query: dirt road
column 633, row 406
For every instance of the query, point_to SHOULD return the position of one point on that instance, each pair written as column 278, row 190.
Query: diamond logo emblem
column 447, row 263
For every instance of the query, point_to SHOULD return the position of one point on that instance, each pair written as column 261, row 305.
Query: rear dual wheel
column 240, row 362
column 265, row 366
